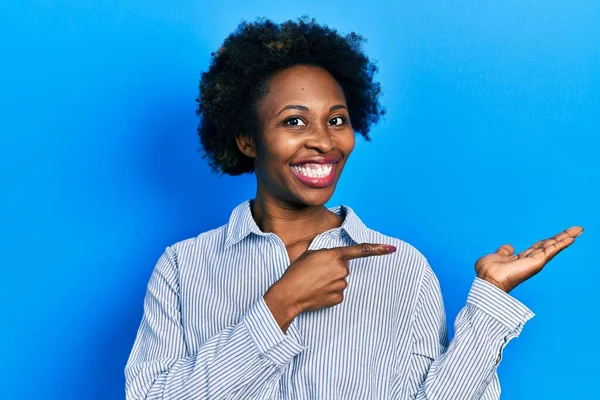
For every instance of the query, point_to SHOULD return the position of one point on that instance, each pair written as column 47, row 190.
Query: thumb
column 505, row 250
column 365, row 250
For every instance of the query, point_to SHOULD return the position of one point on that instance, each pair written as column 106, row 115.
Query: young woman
column 291, row 299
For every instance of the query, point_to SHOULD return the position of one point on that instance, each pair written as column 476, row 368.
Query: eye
column 294, row 121
column 341, row 120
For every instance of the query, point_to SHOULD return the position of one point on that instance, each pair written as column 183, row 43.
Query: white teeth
column 314, row 170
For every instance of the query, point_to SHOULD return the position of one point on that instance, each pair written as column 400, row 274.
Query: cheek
column 285, row 147
column 275, row 154
column 346, row 143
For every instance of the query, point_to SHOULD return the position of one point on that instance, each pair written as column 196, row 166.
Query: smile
column 314, row 170
column 314, row 175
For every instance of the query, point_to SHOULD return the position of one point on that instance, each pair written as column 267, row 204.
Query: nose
column 320, row 138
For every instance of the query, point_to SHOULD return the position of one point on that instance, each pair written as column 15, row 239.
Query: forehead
column 302, row 84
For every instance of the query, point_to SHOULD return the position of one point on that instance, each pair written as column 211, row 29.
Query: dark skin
column 296, row 213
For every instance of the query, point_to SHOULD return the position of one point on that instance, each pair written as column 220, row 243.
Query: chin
column 313, row 191
column 318, row 198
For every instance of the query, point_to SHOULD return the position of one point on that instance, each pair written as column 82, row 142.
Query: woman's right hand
column 316, row 280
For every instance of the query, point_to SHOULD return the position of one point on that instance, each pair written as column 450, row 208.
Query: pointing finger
column 365, row 250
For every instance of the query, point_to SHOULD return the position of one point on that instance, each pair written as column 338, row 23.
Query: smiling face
column 305, row 137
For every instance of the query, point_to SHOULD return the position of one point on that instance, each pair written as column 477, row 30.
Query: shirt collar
column 241, row 224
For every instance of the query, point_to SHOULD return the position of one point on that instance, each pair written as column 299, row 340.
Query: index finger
column 365, row 250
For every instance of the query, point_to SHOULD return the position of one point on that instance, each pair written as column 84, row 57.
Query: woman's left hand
column 507, row 270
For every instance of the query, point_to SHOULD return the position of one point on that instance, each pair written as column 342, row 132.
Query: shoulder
column 192, row 248
column 409, row 260
column 404, row 272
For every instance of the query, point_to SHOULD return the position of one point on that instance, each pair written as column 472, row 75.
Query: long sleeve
column 244, row 360
column 465, row 368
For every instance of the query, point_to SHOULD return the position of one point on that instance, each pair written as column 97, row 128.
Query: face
column 305, row 137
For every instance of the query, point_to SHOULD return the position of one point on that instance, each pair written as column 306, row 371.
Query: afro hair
column 238, row 74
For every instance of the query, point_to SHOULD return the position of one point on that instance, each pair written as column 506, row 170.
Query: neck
column 292, row 222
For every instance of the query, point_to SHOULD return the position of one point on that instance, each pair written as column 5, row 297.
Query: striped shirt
column 207, row 333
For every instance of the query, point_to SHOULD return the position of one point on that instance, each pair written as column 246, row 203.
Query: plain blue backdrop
column 491, row 137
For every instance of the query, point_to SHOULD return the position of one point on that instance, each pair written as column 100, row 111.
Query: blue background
column 491, row 137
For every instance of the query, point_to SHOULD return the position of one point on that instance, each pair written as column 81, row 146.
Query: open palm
column 506, row 270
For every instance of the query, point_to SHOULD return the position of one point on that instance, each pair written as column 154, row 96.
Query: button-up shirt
column 207, row 333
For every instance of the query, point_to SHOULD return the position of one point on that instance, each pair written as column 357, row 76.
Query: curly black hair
column 238, row 75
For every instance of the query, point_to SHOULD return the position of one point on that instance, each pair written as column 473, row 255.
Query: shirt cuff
column 499, row 304
column 268, row 337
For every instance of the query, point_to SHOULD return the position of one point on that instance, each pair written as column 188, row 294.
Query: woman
column 291, row 299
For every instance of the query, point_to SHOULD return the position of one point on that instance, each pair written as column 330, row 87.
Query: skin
column 297, row 214
column 294, row 212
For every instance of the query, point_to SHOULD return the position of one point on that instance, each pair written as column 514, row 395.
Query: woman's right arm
column 244, row 360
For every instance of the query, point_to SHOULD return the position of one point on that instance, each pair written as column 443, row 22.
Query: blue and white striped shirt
column 206, row 332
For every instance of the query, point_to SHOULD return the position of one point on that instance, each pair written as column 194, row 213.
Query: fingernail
column 390, row 248
column 579, row 233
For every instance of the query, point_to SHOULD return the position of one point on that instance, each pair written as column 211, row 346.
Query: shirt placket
column 281, row 264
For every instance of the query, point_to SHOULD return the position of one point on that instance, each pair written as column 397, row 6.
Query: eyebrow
column 304, row 108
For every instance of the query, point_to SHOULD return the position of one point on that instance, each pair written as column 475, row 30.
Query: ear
column 246, row 145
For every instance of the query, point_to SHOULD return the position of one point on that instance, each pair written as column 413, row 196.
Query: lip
column 318, row 160
column 316, row 182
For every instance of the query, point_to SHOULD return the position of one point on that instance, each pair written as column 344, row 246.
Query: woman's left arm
column 466, row 368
